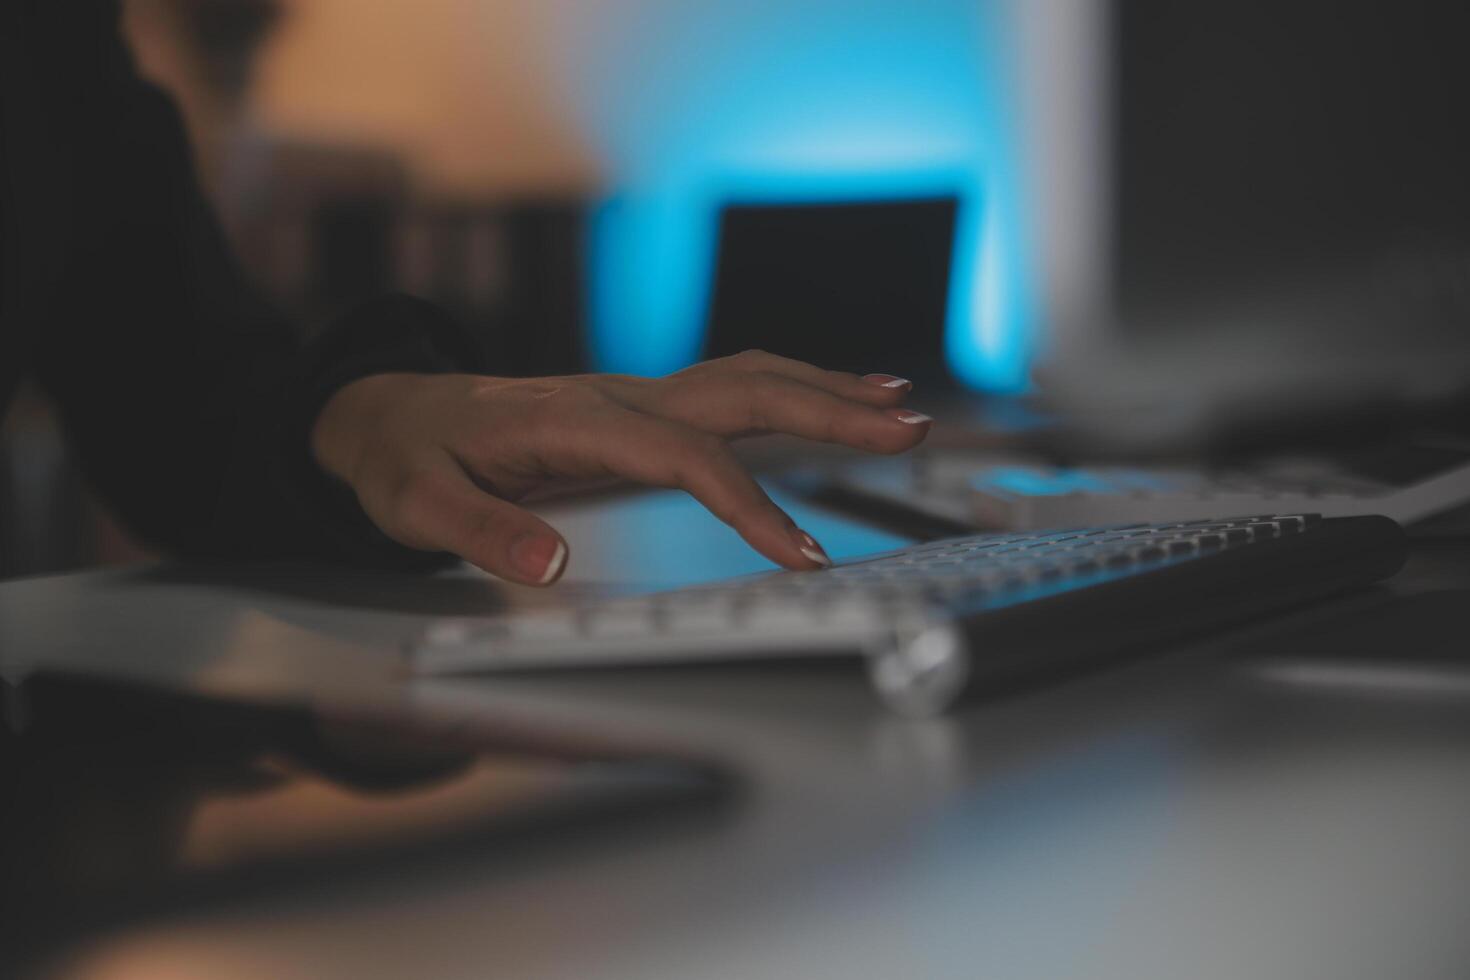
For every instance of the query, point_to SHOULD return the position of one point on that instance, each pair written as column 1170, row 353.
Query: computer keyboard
column 938, row 621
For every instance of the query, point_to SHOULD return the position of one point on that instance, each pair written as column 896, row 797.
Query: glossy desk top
column 1286, row 801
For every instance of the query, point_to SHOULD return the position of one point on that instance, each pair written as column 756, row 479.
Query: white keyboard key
column 547, row 625
column 625, row 618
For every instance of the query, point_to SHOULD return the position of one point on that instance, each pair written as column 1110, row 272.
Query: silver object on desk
column 1421, row 480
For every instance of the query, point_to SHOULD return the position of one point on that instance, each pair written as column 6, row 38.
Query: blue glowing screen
column 694, row 104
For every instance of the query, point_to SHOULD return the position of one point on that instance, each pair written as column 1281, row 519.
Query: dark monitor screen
column 852, row 286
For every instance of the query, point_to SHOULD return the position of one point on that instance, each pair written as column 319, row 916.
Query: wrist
column 349, row 417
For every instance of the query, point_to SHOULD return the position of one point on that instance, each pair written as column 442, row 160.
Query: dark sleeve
column 187, row 397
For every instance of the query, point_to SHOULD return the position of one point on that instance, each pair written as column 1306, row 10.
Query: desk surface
column 1285, row 801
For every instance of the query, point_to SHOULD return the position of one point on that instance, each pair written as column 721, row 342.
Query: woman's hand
column 438, row 461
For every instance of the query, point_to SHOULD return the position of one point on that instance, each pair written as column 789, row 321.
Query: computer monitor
column 859, row 286
column 1264, row 203
column 1277, row 232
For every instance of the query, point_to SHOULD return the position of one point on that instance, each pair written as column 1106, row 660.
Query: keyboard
column 1405, row 482
column 940, row 622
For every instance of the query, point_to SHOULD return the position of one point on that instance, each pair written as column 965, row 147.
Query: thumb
column 446, row 511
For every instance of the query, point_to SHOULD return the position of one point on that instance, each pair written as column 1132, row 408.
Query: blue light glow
column 1028, row 482
column 1034, row 483
column 697, row 104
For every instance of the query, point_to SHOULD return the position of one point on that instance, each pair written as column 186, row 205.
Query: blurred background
column 1106, row 197
column 554, row 173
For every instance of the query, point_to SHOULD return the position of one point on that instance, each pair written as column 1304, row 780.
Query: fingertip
column 864, row 392
column 556, row 566
column 884, row 390
column 813, row 552
column 538, row 558
column 784, row 543
column 892, row 431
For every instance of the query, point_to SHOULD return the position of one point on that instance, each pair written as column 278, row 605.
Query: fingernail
column 911, row 417
column 887, row 381
column 538, row 557
column 809, row 547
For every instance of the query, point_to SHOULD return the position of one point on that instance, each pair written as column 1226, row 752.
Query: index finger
column 653, row 451
column 873, row 389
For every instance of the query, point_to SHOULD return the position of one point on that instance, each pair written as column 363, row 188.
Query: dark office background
column 334, row 184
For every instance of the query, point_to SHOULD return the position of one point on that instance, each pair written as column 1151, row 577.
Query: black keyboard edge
column 1049, row 639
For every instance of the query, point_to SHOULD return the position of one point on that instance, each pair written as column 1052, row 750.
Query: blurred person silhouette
column 212, row 431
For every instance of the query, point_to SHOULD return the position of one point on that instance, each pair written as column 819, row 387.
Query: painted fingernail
column 911, row 417
column 538, row 557
column 887, row 381
column 808, row 546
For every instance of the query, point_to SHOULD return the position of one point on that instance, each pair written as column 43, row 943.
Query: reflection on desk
column 125, row 804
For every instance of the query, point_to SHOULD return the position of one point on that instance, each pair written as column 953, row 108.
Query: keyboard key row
column 868, row 591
